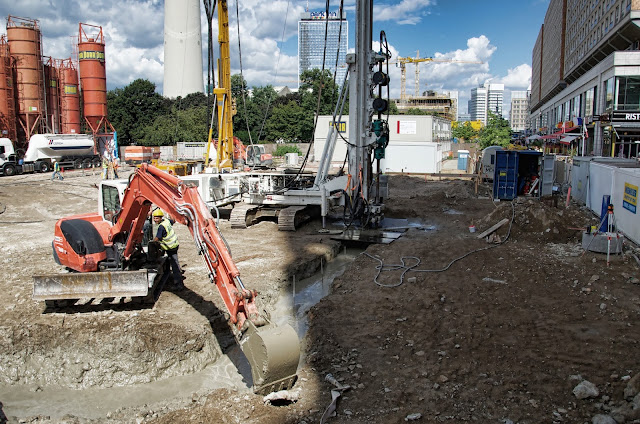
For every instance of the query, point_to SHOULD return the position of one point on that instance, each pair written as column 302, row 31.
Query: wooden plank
column 492, row 229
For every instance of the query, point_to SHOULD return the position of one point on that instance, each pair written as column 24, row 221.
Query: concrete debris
column 282, row 395
column 603, row 419
column 585, row 390
column 413, row 417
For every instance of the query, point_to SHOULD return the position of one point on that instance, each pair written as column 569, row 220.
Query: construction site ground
column 531, row 330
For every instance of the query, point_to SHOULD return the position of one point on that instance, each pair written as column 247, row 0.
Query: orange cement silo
column 25, row 48
column 93, row 76
column 7, row 99
column 52, row 99
column 69, row 98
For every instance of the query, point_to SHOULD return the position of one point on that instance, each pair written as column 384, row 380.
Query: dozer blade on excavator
column 273, row 353
column 91, row 285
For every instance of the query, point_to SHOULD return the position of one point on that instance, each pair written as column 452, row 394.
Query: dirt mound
column 534, row 220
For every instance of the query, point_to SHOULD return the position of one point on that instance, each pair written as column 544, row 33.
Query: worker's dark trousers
column 175, row 266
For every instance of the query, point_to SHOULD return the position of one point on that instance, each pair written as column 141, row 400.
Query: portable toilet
column 463, row 158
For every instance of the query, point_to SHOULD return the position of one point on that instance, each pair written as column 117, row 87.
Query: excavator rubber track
column 242, row 215
column 292, row 217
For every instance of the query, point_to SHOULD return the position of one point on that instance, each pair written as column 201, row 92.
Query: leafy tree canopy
column 497, row 132
column 133, row 107
column 465, row 132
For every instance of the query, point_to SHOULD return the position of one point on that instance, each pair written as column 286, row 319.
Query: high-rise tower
column 311, row 36
column 182, row 48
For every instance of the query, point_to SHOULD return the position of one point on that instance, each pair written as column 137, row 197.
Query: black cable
column 394, row 267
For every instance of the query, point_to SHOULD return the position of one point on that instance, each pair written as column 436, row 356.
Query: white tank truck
column 69, row 150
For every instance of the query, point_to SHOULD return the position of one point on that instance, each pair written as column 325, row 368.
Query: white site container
column 417, row 143
column 412, row 157
column 580, row 175
column 621, row 182
column 167, row 153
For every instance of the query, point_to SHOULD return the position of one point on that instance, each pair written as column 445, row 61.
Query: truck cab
column 6, row 150
column 10, row 164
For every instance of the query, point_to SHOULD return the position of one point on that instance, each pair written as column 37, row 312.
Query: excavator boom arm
column 148, row 186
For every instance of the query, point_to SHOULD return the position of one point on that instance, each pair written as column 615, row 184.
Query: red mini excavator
column 105, row 251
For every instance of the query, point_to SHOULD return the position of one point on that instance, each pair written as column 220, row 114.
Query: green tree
column 315, row 83
column 415, row 111
column 290, row 122
column 465, row 131
column 179, row 125
column 497, row 132
column 393, row 108
column 259, row 107
column 133, row 107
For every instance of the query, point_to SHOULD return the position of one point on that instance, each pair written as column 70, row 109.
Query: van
column 488, row 161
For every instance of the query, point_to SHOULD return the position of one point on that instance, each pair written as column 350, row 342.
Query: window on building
column 608, row 94
column 589, row 102
column 627, row 93
column 576, row 106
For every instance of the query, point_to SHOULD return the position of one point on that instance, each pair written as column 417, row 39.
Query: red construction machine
column 105, row 253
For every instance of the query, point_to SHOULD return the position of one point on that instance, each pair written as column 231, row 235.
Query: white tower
column 182, row 48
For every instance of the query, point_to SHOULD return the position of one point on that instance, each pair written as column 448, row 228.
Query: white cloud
column 407, row 12
column 518, row 77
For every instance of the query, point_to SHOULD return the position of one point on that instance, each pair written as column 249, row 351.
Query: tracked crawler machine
column 105, row 254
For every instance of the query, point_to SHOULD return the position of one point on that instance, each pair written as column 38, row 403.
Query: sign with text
column 340, row 126
column 630, row 198
column 629, row 116
column 407, row 127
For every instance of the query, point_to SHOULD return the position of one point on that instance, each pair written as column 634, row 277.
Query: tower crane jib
column 402, row 61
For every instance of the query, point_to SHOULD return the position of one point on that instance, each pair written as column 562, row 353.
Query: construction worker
column 115, row 168
column 105, row 168
column 56, row 171
column 169, row 243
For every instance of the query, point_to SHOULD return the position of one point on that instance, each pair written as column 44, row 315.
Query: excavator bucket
column 90, row 285
column 273, row 353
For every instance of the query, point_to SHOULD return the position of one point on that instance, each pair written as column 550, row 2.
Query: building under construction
column 443, row 105
column 41, row 95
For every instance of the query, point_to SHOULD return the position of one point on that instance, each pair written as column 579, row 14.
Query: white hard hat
column 53, row 160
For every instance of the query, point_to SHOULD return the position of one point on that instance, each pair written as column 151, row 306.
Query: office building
column 519, row 114
column 311, row 43
column 586, row 74
column 485, row 98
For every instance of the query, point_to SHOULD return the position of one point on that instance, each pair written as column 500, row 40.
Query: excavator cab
column 257, row 157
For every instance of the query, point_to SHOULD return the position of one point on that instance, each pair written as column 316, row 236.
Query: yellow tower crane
column 402, row 61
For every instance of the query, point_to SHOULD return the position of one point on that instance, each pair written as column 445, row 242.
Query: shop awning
column 533, row 137
column 551, row 136
column 569, row 138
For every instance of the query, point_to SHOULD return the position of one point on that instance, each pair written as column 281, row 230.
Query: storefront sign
column 630, row 116
column 630, row 198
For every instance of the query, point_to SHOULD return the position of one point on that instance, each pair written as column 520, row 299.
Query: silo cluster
column 41, row 95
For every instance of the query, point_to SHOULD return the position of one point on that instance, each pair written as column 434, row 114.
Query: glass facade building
column 311, row 43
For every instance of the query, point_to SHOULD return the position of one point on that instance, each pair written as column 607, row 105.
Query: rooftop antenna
column 307, row 6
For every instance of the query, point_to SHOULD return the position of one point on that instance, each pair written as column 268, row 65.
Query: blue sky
column 501, row 33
